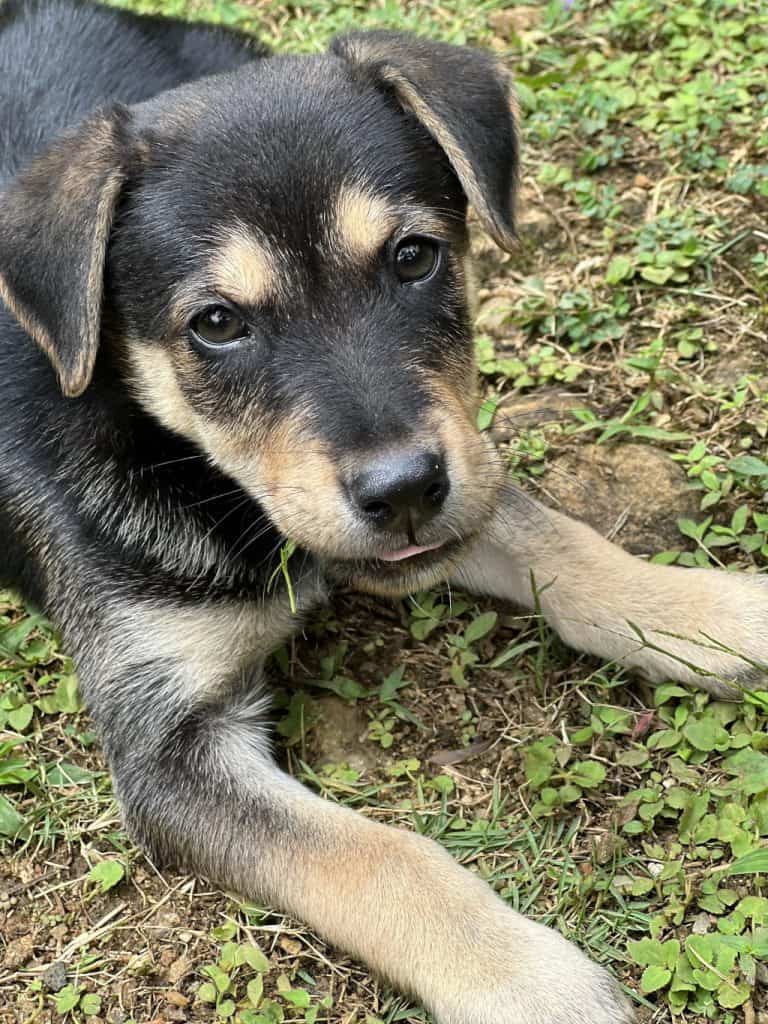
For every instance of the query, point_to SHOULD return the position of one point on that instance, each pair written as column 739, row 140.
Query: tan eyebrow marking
column 244, row 268
column 363, row 221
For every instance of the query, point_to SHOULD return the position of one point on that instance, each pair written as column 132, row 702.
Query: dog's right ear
column 55, row 220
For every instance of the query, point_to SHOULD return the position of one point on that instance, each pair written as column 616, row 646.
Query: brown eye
column 218, row 325
column 416, row 258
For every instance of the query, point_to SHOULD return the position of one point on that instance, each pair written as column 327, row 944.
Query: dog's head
column 277, row 259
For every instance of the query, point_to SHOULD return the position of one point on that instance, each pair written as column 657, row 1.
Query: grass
column 632, row 321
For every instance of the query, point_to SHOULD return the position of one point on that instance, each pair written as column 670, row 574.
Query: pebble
column 178, row 969
column 18, row 952
column 54, row 977
column 292, row 946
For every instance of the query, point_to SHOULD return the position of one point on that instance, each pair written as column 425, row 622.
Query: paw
column 439, row 932
column 483, row 963
column 712, row 631
column 541, row 979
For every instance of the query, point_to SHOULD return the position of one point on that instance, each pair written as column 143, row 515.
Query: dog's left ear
column 55, row 219
column 464, row 99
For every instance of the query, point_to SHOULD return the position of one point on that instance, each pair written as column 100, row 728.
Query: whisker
column 173, row 462
column 214, row 497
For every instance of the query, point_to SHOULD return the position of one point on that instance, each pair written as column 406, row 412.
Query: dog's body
column 252, row 292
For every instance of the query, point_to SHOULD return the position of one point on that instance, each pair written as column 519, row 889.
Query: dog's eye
column 218, row 325
column 416, row 258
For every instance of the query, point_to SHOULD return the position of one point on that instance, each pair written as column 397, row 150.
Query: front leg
column 700, row 626
column 186, row 736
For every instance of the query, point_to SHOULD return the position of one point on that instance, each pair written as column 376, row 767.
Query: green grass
column 634, row 820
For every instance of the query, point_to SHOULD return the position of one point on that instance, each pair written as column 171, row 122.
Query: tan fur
column 668, row 622
column 245, row 268
column 296, row 482
column 153, row 379
column 74, row 178
column 475, row 463
column 74, row 188
column 400, row 902
column 363, row 221
column 212, row 643
column 283, row 467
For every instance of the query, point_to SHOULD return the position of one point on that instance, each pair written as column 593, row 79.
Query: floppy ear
column 464, row 99
column 55, row 219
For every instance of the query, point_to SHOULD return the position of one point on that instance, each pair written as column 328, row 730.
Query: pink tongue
column 409, row 552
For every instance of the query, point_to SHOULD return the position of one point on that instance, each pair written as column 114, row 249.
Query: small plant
column 556, row 778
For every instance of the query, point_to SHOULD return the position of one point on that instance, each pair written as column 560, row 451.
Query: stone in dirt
column 632, row 493
column 514, row 20
column 18, row 952
column 177, row 970
column 339, row 735
column 517, row 412
column 54, row 977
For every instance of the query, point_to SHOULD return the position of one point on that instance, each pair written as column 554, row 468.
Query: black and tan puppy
column 236, row 314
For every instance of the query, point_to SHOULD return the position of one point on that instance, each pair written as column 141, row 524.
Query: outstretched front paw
column 541, row 979
column 710, row 629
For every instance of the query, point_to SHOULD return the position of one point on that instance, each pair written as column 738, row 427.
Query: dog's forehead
column 301, row 150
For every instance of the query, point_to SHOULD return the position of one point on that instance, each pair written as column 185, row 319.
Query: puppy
column 235, row 318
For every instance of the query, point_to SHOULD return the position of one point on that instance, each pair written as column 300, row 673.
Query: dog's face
column 286, row 286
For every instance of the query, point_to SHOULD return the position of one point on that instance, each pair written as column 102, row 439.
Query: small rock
column 54, row 977
column 634, row 201
column 607, row 846
column 292, row 946
column 165, row 923
column 338, row 737
column 178, row 969
column 18, row 952
column 512, row 21
column 522, row 412
column 624, row 813
column 140, row 964
column 632, row 492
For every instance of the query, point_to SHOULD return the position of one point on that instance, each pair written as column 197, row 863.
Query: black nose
column 401, row 491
